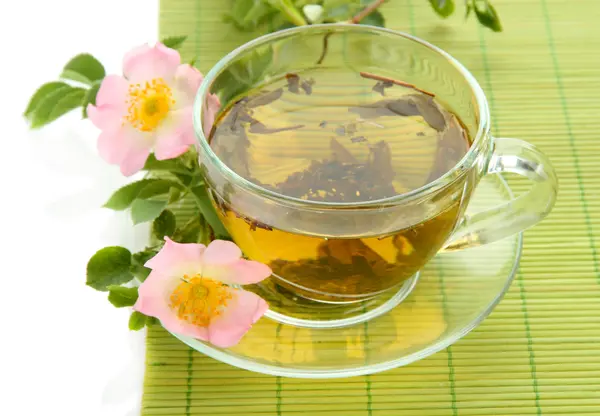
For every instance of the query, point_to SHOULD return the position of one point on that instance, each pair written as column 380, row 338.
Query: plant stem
column 290, row 11
column 395, row 81
column 367, row 11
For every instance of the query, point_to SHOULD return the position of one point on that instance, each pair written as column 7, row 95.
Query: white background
column 64, row 349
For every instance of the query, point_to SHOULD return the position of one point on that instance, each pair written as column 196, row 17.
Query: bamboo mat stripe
column 539, row 352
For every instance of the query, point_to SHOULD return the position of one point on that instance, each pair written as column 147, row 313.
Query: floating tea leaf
column 358, row 139
column 259, row 128
column 307, row 86
column 380, row 86
column 430, row 111
column 265, row 98
column 293, row 83
column 340, row 131
column 340, row 153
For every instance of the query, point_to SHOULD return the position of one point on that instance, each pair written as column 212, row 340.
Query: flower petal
column 113, row 92
column 145, row 63
column 134, row 161
column 187, row 82
column 176, row 259
column 221, row 252
column 176, row 135
column 153, row 300
column 210, row 109
column 240, row 272
column 126, row 147
column 243, row 310
column 247, row 272
column 174, row 324
column 105, row 116
column 222, row 261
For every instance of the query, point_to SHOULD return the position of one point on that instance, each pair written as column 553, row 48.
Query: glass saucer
column 454, row 293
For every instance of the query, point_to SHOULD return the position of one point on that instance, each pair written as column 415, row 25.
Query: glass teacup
column 344, row 252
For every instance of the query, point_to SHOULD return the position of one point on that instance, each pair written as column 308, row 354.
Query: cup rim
column 452, row 175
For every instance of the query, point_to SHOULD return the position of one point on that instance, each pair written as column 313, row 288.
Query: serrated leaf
column 121, row 297
column 56, row 104
column 84, row 68
column 488, row 16
column 144, row 210
column 137, row 321
column 185, row 179
column 43, row 92
column 444, row 8
column 164, row 225
column 189, row 232
column 208, row 211
column 90, row 97
column 154, row 164
column 158, row 187
column 374, row 19
column 173, row 42
column 138, row 260
column 124, row 197
column 174, row 195
column 109, row 266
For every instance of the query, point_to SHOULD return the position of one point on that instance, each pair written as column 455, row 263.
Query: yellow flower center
column 148, row 104
column 198, row 300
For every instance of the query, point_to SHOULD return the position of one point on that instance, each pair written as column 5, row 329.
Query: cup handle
column 522, row 158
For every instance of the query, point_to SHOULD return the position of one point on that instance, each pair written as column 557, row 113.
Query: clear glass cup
column 389, row 54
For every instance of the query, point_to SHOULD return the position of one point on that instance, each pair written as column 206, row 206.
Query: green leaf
column 151, row 320
column 109, row 266
column 190, row 232
column 42, row 93
column 173, row 42
column 121, row 297
column 84, row 68
column 158, row 187
column 488, row 16
column 124, row 197
column 248, row 15
column 374, row 19
column 90, row 97
column 140, row 271
column 164, row 225
column 208, row 211
column 243, row 74
column 291, row 13
column 144, row 210
column 154, row 164
column 443, row 7
column 137, row 321
column 337, row 13
column 468, row 8
column 174, row 195
column 56, row 104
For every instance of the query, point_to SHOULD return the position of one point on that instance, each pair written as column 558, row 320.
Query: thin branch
column 366, row 11
column 395, row 81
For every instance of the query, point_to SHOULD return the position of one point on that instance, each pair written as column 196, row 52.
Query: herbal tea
column 339, row 137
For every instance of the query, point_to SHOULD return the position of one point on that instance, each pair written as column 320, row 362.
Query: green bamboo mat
column 539, row 352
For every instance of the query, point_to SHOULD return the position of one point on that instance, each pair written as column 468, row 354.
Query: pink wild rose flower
column 150, row 106
column 188, row 290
